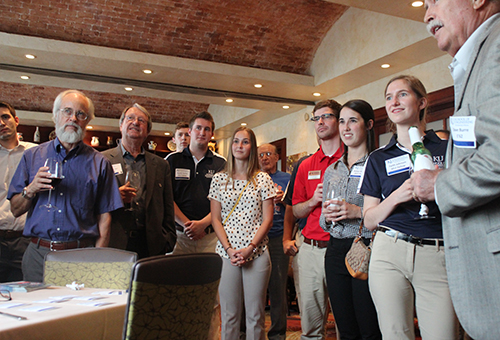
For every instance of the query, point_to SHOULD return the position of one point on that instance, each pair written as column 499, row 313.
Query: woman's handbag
column 358, row 257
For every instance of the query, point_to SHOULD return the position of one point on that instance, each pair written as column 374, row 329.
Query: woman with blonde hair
column 241, row 201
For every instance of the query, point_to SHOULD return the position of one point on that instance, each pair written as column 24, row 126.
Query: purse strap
column 360, row 232
column 237, row 201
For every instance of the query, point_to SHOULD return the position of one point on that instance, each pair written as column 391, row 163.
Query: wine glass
column 332, row 195
column 423, row 213
column 134, row 179
column 56, row 176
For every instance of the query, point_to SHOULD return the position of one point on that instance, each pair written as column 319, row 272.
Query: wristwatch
column 24, row 194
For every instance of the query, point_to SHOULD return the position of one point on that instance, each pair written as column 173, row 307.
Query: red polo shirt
column 309, row 175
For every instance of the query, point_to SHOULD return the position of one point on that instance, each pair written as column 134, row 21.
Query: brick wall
column 108, row 105
column 280, row 35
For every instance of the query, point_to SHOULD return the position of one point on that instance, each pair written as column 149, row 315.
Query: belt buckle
column 52, row 243
column 416, row 240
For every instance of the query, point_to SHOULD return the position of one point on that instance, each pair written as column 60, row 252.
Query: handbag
column 358, row 257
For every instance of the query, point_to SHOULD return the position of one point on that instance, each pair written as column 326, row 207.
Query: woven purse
column 358, row 257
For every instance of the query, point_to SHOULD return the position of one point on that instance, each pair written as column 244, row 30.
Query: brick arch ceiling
column 280, row 35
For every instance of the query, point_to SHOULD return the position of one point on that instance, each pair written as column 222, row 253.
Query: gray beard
column 70, row 137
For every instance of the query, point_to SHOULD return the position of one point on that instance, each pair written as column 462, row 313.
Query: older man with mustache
column 468, row 190
column 84, row 198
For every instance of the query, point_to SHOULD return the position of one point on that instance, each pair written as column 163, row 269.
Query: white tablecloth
column 70, row 319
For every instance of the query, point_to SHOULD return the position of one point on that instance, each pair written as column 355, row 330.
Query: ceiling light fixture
column 30, row 56
column 147, row 71
column 385, row 65
column 258, row 86
column 316, row 94
column 89, row 127
column 25, row 77
column 286, row 107
column 417, row 3
column 129, row 88
column 229, row 100
column 213, row 137
column 167, row 133
column 243, row 124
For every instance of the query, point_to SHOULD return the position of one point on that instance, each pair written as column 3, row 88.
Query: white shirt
column 9, row 159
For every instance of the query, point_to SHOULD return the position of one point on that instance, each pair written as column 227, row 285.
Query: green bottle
column 421, row 157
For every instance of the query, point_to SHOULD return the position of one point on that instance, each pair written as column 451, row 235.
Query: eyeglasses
column 5, row 295
column 324, row 116
column 69, row 112
column 268, row 154
column 132, row 118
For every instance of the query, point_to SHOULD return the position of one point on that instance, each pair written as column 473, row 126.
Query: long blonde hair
column 253, row 161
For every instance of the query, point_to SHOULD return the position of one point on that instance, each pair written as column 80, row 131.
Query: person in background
column 443, row 134
column 407, row 267
column 84, row 198
column 147, row 226
column 268, row 161
column 241, row 201
column 468, row 191
column 181, row 137
column 12, row 242
column 350, row 298
column 307, row 199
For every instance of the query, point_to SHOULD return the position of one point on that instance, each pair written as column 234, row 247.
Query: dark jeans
column 277, row 289
column 350, row 298
column 11, row 256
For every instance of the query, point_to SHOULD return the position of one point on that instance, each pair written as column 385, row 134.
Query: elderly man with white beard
column 84, row 197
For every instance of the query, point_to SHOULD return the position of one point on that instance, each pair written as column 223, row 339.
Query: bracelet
column 254, row 246
column 227, row 248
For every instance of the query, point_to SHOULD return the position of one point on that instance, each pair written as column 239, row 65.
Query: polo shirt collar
column 59, row 148
column 336, row 155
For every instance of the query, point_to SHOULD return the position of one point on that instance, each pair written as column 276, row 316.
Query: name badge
column 314, row 174
column 117, row 169
column 462, row 131
column 397, row 165
column 182, row 174
column 356, row 171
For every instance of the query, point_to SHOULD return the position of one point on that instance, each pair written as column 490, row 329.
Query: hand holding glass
column 56, row 175
column 134, row 179
column 332, row 195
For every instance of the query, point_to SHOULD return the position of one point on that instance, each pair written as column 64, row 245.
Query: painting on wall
column 292, row 160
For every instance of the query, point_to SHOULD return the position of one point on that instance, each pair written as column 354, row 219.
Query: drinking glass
column 423, row 213
column 134, row 179
column 56, row 176
column 332, row 195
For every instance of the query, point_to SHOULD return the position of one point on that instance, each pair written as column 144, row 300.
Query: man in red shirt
column 307, row 198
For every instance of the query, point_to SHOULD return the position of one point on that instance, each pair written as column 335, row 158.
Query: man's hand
column 195, row 230
column 279, row 194
column 41, row 181
column 127, row 193
column 289, row 247
column 422, row 183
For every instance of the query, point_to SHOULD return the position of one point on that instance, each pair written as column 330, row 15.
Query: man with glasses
column 307, row 198
column 84, row 198
column 268, row 161
column 12, row 243
column 147, row 225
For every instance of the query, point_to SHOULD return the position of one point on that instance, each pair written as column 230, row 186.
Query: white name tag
column 182, row 174
column 356, row 171
column 117, row 169
column 462, row 131
column 314, row 174
column 397, row 165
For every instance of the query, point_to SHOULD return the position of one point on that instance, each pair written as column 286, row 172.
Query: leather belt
column 63, row 245
column 208, row 230
column 316, row 243
column 10, row 234
column 411, row 239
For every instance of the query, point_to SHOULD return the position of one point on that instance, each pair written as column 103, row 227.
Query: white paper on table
column 38, row 308
column 95, row 304
column 12, row 305
column 53, row 300
column 89, row 298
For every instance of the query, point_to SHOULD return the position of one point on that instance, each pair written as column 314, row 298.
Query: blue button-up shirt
column 87, row 190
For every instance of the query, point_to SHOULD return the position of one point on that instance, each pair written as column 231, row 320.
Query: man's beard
column 69, row 136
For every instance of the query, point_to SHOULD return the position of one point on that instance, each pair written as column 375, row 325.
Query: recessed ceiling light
column 147, row 71
column 316, row 94
column 417, row 3
column 89, row 127
column 385, row 65
column 167, row 133
column 30, row 56
column 243, row 124
column 129, row 88
column 286, row 107
column 213, row 137
column 257, row 86
column 229, row 100
column 25, row 77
